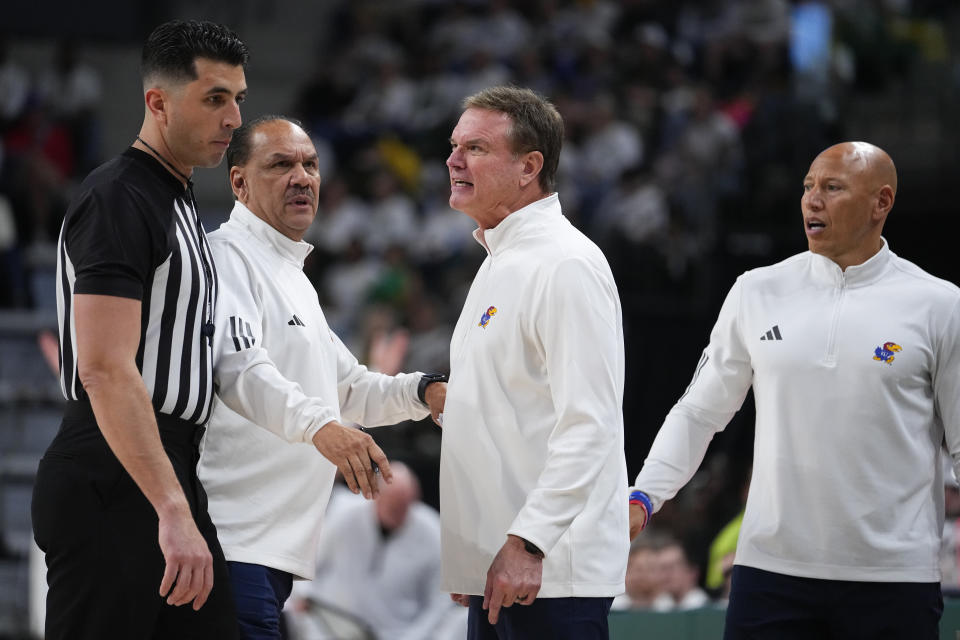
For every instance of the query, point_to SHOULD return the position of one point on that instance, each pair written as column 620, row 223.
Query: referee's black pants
column 100, row 537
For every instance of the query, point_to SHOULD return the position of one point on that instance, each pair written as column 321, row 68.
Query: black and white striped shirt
column 133, row 232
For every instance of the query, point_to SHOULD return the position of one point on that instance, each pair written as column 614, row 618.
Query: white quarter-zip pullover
column 533, row 424
column 280, row 366
column 856, row 379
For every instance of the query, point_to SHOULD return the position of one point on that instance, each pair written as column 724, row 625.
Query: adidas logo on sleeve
column 241, row 334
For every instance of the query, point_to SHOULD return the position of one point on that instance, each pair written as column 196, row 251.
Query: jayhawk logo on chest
column 487, row 315
column 885, row 353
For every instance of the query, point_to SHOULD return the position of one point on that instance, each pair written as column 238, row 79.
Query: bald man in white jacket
column 853, row 354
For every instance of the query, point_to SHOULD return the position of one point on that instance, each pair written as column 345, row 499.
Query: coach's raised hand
column 355, row 454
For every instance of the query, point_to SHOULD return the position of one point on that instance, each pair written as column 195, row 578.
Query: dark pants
column 99, row 534
column 554, row 618
column 765, row 605
column 259, row 593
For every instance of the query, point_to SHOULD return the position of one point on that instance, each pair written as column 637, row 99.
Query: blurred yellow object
column 723, row 544
column 403, row 162
column 928, row 36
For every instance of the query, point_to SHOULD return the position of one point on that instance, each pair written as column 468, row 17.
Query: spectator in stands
column 39, row 162
column 342, row 216
column 385, row 100
column 504, row 30
column 380, row 562
column 72, row 91
column 347, row 283
column 393, row 216
column 11, row 270
column 636, row 209
column 429, row 348
column 950, row 544
column 702, row 166
column 14, row 86
column 680, row 577
column 610, row 147
column 645, row 584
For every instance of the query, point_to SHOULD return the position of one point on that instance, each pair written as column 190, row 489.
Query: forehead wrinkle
column 283, row 134
column 278, row 155
column 292, row 156
column 483, row 125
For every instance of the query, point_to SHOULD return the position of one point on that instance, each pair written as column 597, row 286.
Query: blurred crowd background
column 689, row 128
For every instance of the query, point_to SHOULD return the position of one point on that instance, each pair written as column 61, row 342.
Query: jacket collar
column 518, row 224
column 292, row 250
column 861, row 274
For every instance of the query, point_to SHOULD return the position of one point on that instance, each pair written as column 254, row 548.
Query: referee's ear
column 238, row 184
column 155, row 100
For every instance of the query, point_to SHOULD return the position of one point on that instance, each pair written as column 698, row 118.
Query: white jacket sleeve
column 247, row 380
column 375, row 399
column 719, row 386
column 578, row 328
column 946, row 383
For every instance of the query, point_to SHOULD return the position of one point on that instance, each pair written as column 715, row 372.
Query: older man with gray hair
column 532, row 472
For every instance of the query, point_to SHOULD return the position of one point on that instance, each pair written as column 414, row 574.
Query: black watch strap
column 426, row 380
column 531, row 548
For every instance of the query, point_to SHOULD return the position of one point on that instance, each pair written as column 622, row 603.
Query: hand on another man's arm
column 436, row 397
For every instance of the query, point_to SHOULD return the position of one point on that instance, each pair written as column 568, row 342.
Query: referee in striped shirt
column 117, row 507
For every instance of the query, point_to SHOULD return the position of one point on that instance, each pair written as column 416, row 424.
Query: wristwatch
column 425, row 381
column 531, row 548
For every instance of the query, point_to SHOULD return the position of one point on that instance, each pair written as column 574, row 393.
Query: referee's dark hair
column 172, row 48
column 238, row 153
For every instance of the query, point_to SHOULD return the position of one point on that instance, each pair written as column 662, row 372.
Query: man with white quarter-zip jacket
column 284, row 382
column 532, row 468
column 853, row 354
